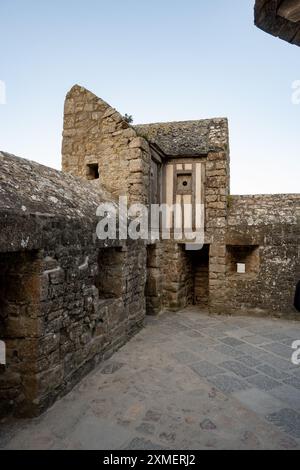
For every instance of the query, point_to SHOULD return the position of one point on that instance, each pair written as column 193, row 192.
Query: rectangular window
column 92, row 171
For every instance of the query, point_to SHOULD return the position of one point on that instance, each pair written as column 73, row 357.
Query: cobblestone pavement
column 187, row 381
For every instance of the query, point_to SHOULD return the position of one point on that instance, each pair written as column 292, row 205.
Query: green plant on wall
column 128, row 118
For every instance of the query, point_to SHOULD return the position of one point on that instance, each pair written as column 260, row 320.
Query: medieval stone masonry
column 281, row 18
column 68, row 300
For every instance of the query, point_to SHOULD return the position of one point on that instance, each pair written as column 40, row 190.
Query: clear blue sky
column 158, row 60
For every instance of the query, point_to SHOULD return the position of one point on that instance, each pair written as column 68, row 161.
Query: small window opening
column 92, row 171
column 184, row 183
column 109, row 280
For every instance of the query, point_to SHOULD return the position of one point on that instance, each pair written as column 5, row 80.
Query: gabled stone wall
column 94, row 132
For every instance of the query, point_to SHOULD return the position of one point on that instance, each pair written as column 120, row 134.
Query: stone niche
column 242, row 261
column 19, row 293
column 110, row 281
column 200, row 271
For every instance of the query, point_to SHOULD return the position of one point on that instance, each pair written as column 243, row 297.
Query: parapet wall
column 67, row 300
column 259, row 210
column 270, row 226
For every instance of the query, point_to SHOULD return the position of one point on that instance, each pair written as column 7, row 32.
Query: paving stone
column 44, row 440
column 158, row 402
column 239, row 334
column 72, row 412
column 199, row 346
column 293, row 381
column 151, row 320
column 187, row 322
column 111, row 368
column 255, row 339
column 240, row 322
column 250, row 350
column 296, row 372
column 207, row 425
column 276, row 361
column 204, row 343
column 230, row 341
column 92, row 433
column 224, row 349
column 153, row 415
column 204, row 322
column 288, row 420
column 168, row 437
column 272, row 372
column 294, row 332
column 228, row 325
column 186, row 357
column 139, row 443
column 289, row 395
column 238, row 369
column 216, row 326
column 213, row 333
column 194, row 334
column 279, row 349
column 228, row 383
column 250, row 439
column 262, row 329
column 288, row 443
column 206, row 369
column 263, row 382
column 278, row 336
column 287, row 342
column 248, row 361
column 258, row 401
column 213, row 356
column 145, row 428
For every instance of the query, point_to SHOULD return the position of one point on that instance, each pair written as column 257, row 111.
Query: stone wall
column 19, row 327
column 153, row 290
column 217, row 189
column 177, row 277
column 95, row 133
column 269, row 227
column 67, row 300
column 206, row 141
column 58, row 324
